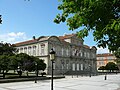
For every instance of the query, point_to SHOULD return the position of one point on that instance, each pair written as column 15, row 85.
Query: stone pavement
column 68, row 83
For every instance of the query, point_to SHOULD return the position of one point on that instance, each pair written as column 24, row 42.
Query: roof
column 66, row 36
column 104, row 55
column 86, row 46
column 26, row 42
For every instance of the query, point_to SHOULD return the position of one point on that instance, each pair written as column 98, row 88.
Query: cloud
column 13, row 37
column 102, row 50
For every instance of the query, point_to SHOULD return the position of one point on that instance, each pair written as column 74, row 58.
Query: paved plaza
column 68, row 83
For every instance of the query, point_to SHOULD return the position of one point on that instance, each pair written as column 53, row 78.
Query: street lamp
column 36, row 72
column 19, row 70
column 52, row 58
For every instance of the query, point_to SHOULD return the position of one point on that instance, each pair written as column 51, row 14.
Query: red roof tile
column 25, row 42
column 104, row 55
column 66, row 36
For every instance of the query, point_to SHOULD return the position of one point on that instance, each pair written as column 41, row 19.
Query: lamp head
column 52, row 54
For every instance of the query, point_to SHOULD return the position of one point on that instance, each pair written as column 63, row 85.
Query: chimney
column 33, row 37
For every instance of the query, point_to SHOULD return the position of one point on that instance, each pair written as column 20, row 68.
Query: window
column 62, row 64
column 81, row 67
column 25, row 49
column 73, row 67
column 34, row 50
column 67, row 52
column 42, row 49
column 21, row 50
column 77, row 67
column 62, row 51
column 29, row 50
column 67, row 66
column 88, row 55
column 81, row 54
column 85, row 54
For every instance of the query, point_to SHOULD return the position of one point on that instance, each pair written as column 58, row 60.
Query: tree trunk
column 3, row 74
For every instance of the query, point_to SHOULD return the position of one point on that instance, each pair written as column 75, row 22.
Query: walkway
column 68, row 83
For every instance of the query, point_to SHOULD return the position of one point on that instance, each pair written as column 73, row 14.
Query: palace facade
column 72, row 56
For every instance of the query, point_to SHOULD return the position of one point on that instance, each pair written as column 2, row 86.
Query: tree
column 102, row 68
column 7, row 49
column 111, row 66
column 27, row 63
column 13, row 62
column 4, row 64
column 100, row 16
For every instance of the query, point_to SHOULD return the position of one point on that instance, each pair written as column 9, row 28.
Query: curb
column 28, row 79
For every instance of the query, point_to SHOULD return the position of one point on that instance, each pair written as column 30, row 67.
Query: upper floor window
column 21, row 50
column 62, row 51
column 25, row 49
column 67, row 52
column 29, row 50
column 42, row 49
column 85, row 54
column 88, row 55
column 34, row 50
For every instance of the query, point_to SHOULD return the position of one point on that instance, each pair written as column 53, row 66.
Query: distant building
column 103, row 59
column 72, row 56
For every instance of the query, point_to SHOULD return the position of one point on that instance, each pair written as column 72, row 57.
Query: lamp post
column 36, row 72
column 19, row 70
column 52, row 58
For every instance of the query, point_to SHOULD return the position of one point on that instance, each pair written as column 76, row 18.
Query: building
column 72, row 56
column 103, row 59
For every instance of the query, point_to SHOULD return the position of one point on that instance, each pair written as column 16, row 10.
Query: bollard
column 105, row 77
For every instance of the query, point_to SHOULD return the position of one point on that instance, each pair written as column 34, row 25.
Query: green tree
column 27, row 63
column 7, row 49
column 13, row 62
column 100, row 16
column 102, row 68
column 111, row 66
column 4, row 64
column 41, row 64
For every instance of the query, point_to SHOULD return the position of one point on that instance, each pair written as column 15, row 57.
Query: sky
column 23, row 19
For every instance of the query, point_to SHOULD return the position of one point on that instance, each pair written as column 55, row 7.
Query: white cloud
column 102, row 50
column 13, row 37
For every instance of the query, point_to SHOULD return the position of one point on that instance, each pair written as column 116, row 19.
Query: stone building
column 104, row 58
column 72, row 56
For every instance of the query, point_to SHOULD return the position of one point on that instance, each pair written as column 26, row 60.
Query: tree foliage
column 102, row 68
column 4, row 62
column 7, row 49
column 111, row 66
column 100, row 16
column 9, row 60
column 28, row 62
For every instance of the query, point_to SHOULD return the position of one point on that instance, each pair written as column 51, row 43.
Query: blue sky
column 24, row 19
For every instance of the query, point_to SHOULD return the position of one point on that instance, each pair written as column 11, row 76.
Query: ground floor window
column 77, row 67
column 81, row 67
column 73, row 67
